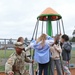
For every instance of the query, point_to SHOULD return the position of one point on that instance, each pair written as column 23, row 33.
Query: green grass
column 9, row 52
column 72, row 57
column 5, row 54
column 2, row 68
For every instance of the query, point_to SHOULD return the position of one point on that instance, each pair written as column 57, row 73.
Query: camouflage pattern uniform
column 16, row 63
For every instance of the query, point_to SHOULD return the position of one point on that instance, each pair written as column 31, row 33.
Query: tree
column 73, row 33
column 73, row 39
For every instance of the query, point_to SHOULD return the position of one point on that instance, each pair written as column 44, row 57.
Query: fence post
column 5, row 50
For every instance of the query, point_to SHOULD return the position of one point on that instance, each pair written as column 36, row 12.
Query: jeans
column 43, row 67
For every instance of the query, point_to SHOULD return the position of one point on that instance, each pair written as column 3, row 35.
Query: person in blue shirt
column 42, row 52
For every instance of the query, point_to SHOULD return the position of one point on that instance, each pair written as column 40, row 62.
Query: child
column 66, row 53
column 55, row 58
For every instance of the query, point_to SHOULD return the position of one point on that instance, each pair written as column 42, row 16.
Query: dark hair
column 57, row 37
column 57, row 42
column 65, row 37
column 19, row 39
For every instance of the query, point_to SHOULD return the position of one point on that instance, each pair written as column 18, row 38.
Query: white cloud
column 18, row 17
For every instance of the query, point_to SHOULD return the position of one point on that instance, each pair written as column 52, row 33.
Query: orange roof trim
column 49, row 11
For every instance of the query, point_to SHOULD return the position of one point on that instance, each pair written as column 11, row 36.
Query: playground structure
column 48, row 16
column 45, row 20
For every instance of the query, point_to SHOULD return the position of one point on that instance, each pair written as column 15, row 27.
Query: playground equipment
column 48, row 16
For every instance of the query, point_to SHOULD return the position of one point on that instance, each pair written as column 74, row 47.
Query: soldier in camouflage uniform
column 15, row 64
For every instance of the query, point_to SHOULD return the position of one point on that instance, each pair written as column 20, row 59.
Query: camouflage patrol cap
column 19, row 45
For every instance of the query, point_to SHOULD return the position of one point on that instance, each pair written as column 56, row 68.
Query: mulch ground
column 72, row 72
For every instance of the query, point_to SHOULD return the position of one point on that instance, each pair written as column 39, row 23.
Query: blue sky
column 18, row 17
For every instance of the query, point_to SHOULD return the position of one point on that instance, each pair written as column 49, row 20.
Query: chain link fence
column 6, row 48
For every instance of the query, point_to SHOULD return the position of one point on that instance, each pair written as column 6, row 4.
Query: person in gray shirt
column 66, row 53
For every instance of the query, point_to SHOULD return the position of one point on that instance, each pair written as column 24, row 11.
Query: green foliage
column 73, row 39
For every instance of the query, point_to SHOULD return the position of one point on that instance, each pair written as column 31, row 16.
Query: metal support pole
column 59, row 27
column 63, row 26
column 42, row 28
column 35, row 29
column 36, row 32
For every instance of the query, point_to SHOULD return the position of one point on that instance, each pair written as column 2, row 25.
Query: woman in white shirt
column 55, row 58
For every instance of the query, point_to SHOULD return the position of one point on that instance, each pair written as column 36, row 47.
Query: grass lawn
column 2, row 68
column 72, row 57
column 6, row 54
